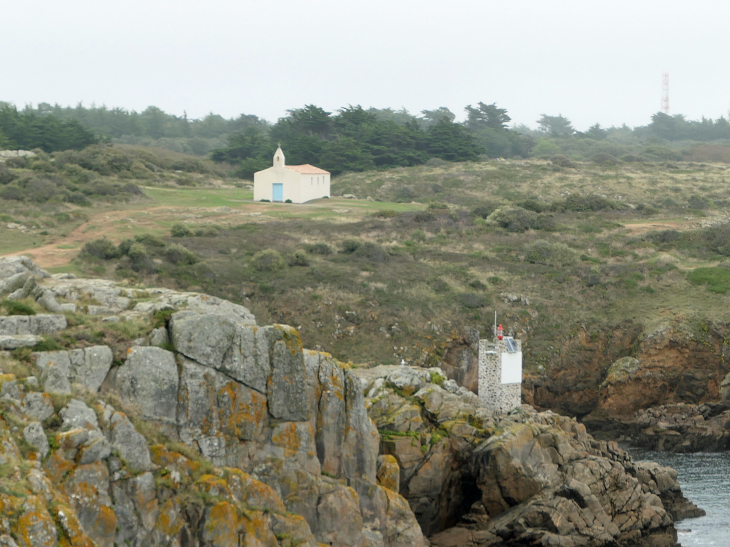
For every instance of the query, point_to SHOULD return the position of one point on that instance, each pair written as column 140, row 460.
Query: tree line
column 352, row 138
column 49, row 133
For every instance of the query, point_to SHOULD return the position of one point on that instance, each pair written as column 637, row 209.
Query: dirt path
column 50, row 256
column 108, row 224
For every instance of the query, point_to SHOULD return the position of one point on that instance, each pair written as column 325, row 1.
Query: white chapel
column 298, row 183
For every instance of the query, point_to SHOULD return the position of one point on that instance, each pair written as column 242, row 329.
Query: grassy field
column 433, row 253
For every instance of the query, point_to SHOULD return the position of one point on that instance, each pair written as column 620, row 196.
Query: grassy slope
column 423, row 279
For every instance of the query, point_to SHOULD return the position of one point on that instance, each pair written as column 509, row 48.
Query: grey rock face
column 77, row 415
column 132, row 446
column 286, row 393
column 36, row 437
column 149, row 379
column 12, row 282
column 31, row 324
column 55, row 379
column 12, row 265
column 89, row 366
column 95, row 449
column 159, row 337
column 206, row 304
column 18, row 341
column 55, row 367
column 36, row 405
column 49, row 302
column 241, row 352
column 7, row 541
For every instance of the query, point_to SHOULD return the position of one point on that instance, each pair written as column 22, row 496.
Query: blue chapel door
column 278, row 192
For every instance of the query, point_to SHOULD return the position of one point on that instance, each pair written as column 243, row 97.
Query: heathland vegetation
column 587, row 229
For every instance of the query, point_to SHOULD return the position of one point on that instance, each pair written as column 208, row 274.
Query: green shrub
column 551, row 254
column 717, row 280
column 349, row 246
column 124, row 246
column 534, row 205
column 562, row 160
column 437, row 205
column 473, row 300
column 698, row 202
column 208, row 231
column 513, row 219
column 372, row 251
column 17, row 162
column 590, row 202
column 424, row 216
column 180, row 230
column 386, row 213
column 13, row 307
column 418, row 235
column 6, row 175
column 268, row 261
column 149, row 240
column 177, row 254
column 139, row 260
column 100, row 248
column 485, row 209
column 298, row 259
column 319, row 249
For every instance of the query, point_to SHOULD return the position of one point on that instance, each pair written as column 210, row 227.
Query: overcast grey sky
column 591, row 61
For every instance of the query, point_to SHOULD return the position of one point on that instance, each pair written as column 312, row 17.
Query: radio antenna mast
column 665, row 92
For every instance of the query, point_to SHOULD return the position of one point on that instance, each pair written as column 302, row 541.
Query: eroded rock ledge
column 474, row 477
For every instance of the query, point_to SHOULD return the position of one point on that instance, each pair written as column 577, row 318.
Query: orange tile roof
column 307, row 169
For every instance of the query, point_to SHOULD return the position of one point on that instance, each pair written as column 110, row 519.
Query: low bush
column 424, row 216
column 177, row 254
column 180, row 230
column 372, row 251
column 418, row 235
column 473, row 300
column 552, row 254
column 139, row 260
column 208, row 231
column 319, row 249
column 100, row 248
column 349, row 246
column 562, row 160
column 149, row 240
column 298, row 259
column 485, row 209
column 268, row 260
column 590, row 202
column 386, row 213
column 6, row 175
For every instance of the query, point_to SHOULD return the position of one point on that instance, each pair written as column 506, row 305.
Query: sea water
column 705, row 481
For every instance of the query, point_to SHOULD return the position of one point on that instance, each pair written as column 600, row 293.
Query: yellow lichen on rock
column 221, row 525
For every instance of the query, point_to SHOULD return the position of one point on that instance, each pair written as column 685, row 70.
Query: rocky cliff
column 138, row 416
column 223, row 433
column 474, row 477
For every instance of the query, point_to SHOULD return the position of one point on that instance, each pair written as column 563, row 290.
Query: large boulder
column 149, row 380
column 241, row 351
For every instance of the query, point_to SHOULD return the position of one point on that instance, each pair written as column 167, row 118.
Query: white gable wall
column 263, row 184
column 311, row 189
